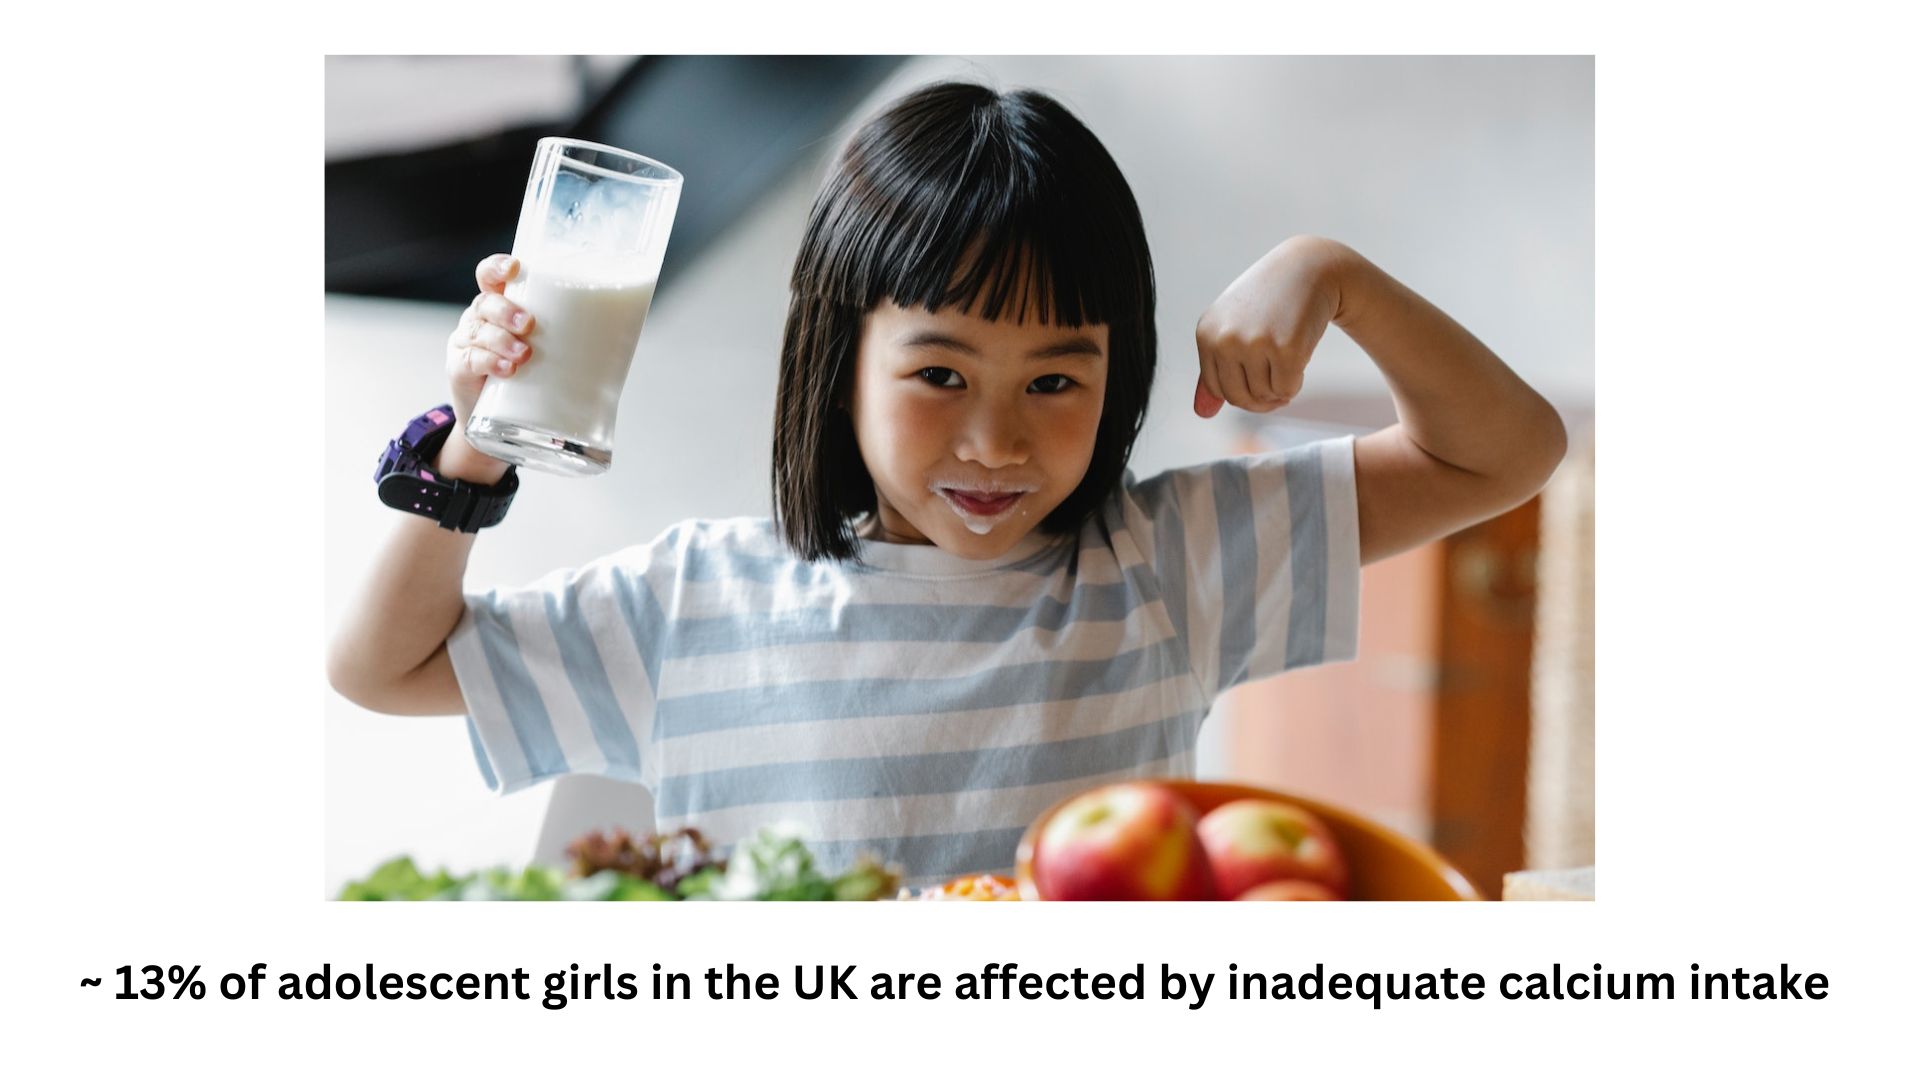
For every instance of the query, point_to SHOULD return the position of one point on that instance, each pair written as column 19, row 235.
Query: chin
column 955, row 538
column 967, row 545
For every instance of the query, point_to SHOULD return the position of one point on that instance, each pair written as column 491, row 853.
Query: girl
column 964, row 606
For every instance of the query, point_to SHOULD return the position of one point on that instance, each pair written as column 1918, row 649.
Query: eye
column 1051, row 384
column 945, row 378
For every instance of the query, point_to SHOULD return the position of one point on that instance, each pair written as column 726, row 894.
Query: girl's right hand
column 489, row 339
column 488, row 343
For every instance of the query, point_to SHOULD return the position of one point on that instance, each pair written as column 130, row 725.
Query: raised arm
column 389, row 653
column 1472, row 440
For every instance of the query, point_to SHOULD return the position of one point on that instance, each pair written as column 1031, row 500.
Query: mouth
column 981, row 510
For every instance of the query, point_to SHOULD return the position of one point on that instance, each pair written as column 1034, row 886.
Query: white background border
column 163, row 281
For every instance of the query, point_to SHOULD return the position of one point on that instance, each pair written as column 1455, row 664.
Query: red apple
column 1289, row 890
column 1250, row 842
column 1131, row 841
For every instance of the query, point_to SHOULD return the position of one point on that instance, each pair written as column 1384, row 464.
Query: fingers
column 1265, row 383
column 492, row 351
column 503, row 313
column 495, row 271
column 1283, row 381
column 1255, row 372
column 482, row 344
column 1245, row 379
column 1234, row 375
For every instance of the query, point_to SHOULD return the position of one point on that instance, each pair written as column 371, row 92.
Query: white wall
column 1469, row 178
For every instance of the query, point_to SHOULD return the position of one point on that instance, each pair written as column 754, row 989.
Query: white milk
column 585, row 329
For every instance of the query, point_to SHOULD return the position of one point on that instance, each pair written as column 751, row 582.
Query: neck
column 872, row 528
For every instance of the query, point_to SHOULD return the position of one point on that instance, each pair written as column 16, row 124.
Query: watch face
column 426, row 424
column 404, row 452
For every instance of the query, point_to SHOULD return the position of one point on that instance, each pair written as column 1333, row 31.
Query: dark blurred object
column 665, row 859
column 413, row 225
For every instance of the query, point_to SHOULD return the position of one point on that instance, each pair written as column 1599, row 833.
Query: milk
column 586, row 324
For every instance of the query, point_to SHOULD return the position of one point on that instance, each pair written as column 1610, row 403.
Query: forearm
column 1456, row 400
column 387, row 653
column 407, row 607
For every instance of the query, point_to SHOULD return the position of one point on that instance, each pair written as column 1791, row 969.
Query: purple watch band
column 407, row 483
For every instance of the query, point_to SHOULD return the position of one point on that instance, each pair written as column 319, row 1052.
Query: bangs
column 998, row 209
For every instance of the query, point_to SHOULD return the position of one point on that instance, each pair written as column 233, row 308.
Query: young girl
column 964, row 607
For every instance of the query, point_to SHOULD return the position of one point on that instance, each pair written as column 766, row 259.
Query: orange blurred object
column 974, row 887
column 1384, row 864
column 1289, row 890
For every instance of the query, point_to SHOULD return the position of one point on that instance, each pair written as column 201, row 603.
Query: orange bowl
column 1384, row 864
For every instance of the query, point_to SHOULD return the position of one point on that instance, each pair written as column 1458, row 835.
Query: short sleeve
column 559, row 675
column 1257, row 559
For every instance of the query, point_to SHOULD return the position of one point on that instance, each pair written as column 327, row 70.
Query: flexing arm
column 1472, row 439
column 390, row 652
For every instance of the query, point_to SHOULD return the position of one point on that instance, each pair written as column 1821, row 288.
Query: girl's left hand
column 1256, row 338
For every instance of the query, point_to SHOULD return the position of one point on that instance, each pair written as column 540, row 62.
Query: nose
column 993, row 438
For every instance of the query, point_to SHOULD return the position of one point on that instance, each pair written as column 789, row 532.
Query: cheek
column 897, row 430
column 1071, row 433
column 913, row 414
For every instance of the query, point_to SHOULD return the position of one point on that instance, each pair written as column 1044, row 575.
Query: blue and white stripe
column 919, row 706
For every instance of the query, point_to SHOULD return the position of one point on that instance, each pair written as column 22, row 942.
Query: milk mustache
column 586, row 325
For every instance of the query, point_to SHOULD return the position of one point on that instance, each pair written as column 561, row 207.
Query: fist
column 1256, row 338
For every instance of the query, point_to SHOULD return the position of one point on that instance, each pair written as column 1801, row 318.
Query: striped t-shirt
column 917, row 705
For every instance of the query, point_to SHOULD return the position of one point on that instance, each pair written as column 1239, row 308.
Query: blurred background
column 1467, row 720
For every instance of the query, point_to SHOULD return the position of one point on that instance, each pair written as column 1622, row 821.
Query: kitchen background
column 1468, row 719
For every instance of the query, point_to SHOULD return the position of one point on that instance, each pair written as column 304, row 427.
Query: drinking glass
column 592, row 233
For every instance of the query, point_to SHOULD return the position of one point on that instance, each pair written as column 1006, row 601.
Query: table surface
column 1575, row 883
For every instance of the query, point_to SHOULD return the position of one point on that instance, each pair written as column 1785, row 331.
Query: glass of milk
column 593, row 229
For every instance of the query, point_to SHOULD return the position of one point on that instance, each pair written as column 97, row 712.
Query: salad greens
column 774, row 864
column 400, row 879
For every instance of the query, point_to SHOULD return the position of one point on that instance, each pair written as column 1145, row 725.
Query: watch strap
column 405, row 482
column 454, row 504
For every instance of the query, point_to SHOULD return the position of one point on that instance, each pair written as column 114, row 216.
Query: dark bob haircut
column 956, row 196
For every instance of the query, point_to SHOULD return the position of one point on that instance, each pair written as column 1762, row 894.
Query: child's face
column 974, row 431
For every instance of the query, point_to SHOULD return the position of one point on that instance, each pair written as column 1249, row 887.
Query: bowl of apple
column 1190, row 840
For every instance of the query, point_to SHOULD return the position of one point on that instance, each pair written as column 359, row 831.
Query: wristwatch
column 407, row 481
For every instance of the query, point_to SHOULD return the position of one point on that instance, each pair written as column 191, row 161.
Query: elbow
column 1553, row 442
column 1533, row 452
column 348, row 677
column 342, row 676
column 1539, row 456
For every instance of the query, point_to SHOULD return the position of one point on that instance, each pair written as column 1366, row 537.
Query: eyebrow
column 1078, row 345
